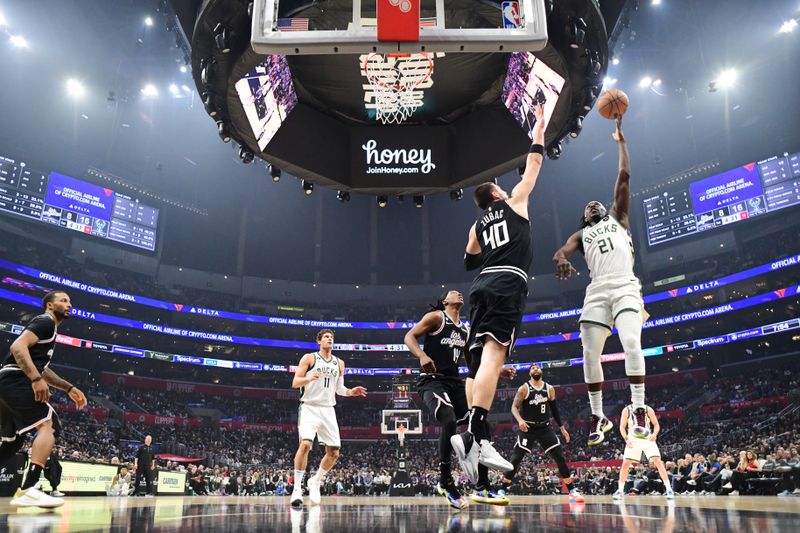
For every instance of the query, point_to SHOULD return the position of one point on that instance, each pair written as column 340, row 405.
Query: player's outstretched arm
column 533, row 165
column 622, row 188
column 429, row 323
column 341, row 390
column 564, row 268
column 472, row 255
column 300, row 379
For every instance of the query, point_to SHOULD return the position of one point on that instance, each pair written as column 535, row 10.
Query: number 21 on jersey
column 496, row 235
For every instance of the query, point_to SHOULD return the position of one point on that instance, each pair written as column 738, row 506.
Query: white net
column 395, row 83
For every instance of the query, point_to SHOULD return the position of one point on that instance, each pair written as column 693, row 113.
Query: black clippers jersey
column 505, row 240
column 44, row 327
column 534, row 409
column 445, row 346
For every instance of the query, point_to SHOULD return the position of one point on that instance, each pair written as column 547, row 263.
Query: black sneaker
column 598, row 427
column 450, row 492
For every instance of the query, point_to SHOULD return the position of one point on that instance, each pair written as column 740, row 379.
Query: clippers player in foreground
column 534, row 404
column 320, row 377
column 25, row 382
column 613, row 298
column 500, row 245
column 439, row 384
column 634, row 448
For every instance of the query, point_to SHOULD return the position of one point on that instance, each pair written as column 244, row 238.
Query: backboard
column 351, row 27
column 411, row 419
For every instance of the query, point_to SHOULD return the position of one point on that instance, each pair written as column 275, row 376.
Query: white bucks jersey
column 322, row 391
column 608, row 249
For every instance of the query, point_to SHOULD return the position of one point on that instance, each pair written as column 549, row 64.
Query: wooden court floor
column 731, row 514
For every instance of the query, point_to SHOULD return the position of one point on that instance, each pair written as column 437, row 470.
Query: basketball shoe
column 599, row 427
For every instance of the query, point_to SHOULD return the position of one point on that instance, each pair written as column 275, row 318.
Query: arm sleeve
column 42, row 326
column 472, row 261
column 554, row 411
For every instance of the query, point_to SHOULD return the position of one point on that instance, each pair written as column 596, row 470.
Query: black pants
column 148, row 479
column 52, row 472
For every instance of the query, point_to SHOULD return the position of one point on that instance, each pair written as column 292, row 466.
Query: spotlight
column 174, row 89
column 148, row 21
column 615, row 61
column 656, row 2
column 554, row 151
column 308, row 187
column 726, row 78
column 18, row 41
column 419, row 200
column 382, row 201
column 275, row 172
column 590, row 97
column 184, row 69
column 575, row 127
column 75, row 88
column 608, row 81
column 246, row 155
column 3, row 21
column 150, row 90
column 577, row 28
column 645, row 82
column 222, row 38
column 788, row 26
column 208, row 103
column 224, row 132
column 343, row 196
column 457, row 194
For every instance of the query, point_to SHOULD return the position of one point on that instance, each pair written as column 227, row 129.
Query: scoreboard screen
column 76, row 205
column 732, row 196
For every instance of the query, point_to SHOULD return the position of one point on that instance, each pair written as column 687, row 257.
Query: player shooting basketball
column 613, row 298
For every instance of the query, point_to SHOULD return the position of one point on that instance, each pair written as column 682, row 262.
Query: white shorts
column 318, row 421
column 641, row 446
column 606, row 299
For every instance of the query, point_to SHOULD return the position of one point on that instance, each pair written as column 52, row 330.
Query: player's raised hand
column 564, row 269
column 358, row 391
column 508, row 373
column 427, row 364
column 538, row 113
column 617, row 135
column 78, row 397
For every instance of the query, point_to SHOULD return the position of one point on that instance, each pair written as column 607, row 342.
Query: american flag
column 293, row 24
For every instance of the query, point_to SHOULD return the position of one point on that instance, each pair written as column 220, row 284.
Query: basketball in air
column 612, row 104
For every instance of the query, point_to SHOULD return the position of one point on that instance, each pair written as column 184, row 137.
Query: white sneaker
column 727, row 485
column 670, row 495
column 691, row 482
column 313, row 490
column 297, row 498
column 618, row 495
column 796, row 491
column 33, row 497
column 734, row 493
column 785, row 493
column 57, row 494
column 490, row 458
column 468, row 453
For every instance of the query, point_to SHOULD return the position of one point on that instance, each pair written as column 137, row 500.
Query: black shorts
column 438, row 391
column 497, row 302
column 19, row 410
column 545, row 436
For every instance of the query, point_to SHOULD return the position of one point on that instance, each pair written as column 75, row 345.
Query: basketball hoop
column 401, row 434
column 394, row 79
